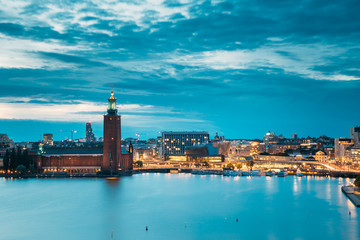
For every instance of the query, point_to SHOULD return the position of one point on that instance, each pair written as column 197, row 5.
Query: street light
column 72, row 133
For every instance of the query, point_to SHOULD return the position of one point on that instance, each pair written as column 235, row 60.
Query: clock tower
column 112, row 137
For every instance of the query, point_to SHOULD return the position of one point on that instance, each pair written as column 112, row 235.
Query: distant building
column 90, row 137
column 329, row 151
column 158, row 147
column 270, row 139
column 355, row 135
column 174, row 143
column 218, row 138
column 5, row 141
column 294, row 136
column 48, row 139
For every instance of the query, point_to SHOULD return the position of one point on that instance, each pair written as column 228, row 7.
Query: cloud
column 198, row 60
column 294, row 59
column 22, row 53
column 43, row 109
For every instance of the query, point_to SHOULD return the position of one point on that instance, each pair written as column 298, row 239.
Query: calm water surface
column 177, row 206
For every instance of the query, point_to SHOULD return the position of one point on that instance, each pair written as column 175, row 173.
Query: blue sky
column 239, row 68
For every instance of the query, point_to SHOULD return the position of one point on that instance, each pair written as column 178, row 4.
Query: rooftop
column 77, row 151
column 186, row 132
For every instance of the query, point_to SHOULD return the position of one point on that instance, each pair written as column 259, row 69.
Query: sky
column 240, row 68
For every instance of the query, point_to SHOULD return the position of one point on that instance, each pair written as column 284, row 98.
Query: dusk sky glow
column 239, row 68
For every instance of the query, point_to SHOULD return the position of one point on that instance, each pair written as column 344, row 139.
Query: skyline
column 235, row 67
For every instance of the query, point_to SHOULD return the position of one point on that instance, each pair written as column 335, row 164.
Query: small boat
column 270, row 173
column 231, row 173
column 283, row 173
column 299, row 173
column 197, row 172
column 255, row 173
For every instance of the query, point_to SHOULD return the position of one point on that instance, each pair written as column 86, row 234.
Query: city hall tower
column 112, row 137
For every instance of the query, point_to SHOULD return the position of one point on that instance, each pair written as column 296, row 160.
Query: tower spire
column 112, row 110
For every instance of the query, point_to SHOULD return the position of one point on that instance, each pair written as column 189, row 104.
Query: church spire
column 112, row 110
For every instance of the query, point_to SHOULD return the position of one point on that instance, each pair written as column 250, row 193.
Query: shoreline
column 163, row 170
column 349, row 192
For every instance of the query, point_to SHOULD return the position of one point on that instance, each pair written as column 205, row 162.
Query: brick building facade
column 111, row 158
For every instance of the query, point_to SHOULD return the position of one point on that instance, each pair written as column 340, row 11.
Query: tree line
column 17, row 160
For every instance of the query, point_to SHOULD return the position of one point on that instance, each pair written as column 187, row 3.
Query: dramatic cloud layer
column 236, row 67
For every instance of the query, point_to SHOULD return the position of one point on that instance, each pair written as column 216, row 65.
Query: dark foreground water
column 177, row 206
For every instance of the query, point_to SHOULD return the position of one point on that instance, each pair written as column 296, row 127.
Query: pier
column 352, row 193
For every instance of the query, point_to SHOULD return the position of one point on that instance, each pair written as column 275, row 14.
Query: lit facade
column 175, row 143
column 321, row 156
column 355, row 154
column 341, row 145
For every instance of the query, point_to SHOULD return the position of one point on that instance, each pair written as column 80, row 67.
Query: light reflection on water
column 267, row 208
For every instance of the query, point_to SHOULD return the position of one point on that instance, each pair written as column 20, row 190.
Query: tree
column 357, row 181
column 138, row 164
column 250, row 164
column 19, row 158
column 230, row 165
column 21, row 169
column 6, row 160
column 13, row 160
column 239, row 165
column 26, row 159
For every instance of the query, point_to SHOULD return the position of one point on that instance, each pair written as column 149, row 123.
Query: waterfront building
column 321, row 156
column 143, row 151
column 174, row 143
column 341, row 145
column 111, row 157
column 204, row 153
column 90, row 137
column 48, row 139
column 355, row 154
column 209, row 152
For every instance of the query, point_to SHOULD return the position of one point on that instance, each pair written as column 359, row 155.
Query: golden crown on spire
column 112, row 95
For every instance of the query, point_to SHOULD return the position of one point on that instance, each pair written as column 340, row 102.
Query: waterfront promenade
column 353, row 193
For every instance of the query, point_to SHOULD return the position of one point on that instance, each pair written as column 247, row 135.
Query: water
column 177, row 206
